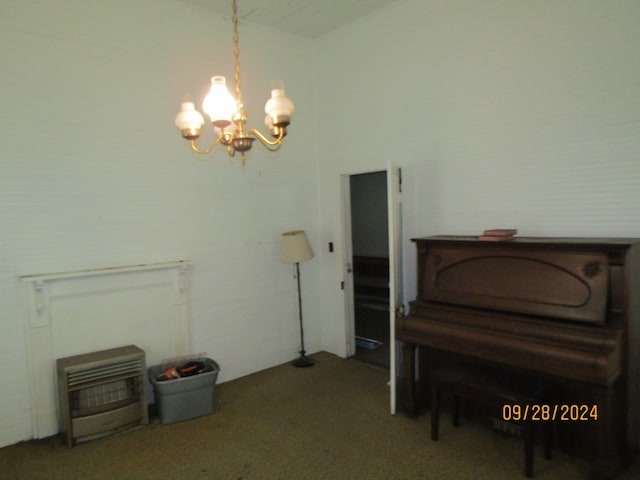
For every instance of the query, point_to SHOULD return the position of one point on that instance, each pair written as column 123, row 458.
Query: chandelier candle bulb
column 219, row 104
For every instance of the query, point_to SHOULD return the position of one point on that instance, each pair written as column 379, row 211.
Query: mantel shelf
column 104, row 271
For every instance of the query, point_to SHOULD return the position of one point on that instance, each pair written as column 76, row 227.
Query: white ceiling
column 306, row 18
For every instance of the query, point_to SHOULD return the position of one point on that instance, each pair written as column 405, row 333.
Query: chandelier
column 228, row 116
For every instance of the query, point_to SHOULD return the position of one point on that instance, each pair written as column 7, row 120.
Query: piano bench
column 492, row 388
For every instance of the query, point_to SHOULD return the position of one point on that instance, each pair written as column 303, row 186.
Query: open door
column 396, row 307
column 347, row 283
column 379, row 279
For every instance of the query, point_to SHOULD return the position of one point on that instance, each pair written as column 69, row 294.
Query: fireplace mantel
column 81, row 311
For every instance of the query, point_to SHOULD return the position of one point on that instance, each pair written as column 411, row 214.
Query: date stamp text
column 546, row 413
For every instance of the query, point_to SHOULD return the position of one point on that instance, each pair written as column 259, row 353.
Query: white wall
column 502, row 113
column 93, row 173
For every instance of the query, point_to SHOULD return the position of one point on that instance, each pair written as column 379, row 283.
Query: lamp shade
column 295, row 247
column 219, row 104
column 189, row 118
column 279, row 107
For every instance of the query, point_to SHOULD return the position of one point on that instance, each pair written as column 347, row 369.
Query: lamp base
column 302, row 361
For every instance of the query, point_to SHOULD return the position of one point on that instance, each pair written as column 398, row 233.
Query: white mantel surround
column 87, row 310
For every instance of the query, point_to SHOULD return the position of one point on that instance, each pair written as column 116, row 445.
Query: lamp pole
column 301, row 361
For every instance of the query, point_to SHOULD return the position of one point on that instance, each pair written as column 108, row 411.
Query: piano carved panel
column 572, row 287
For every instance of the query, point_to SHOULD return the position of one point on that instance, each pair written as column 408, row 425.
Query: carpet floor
column 330, row 421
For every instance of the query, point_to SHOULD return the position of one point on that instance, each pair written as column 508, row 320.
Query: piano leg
column 409, row 361
column 607, row 461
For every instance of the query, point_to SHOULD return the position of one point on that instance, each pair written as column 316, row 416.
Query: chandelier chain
column 236, row 54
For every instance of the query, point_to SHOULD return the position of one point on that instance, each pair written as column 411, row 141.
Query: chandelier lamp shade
column 228, row 116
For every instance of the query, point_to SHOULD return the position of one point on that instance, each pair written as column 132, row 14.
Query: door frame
column 394, row 227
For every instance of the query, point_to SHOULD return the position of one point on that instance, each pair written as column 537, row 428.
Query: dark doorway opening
column 370, row 250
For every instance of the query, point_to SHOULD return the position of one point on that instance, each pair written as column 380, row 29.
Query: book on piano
column 498, row 234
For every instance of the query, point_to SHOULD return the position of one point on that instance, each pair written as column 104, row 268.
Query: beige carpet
column 330, row 421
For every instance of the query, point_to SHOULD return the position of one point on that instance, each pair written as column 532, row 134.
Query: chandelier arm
column 209, row 149
column 265, row 141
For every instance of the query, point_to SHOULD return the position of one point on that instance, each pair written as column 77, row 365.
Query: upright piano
column 563, row 309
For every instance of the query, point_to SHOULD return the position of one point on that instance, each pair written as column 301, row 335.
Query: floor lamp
column 295, row 248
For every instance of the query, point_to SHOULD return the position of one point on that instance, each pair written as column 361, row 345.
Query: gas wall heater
column 101, row 393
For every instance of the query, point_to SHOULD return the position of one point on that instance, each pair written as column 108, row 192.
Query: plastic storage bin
column 184, row 398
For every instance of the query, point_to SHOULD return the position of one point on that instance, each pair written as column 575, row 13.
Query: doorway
column 374, row 206
column 370, row 266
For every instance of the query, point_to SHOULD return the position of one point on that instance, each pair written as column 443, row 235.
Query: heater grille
column 101, row 393
column 84, row 374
